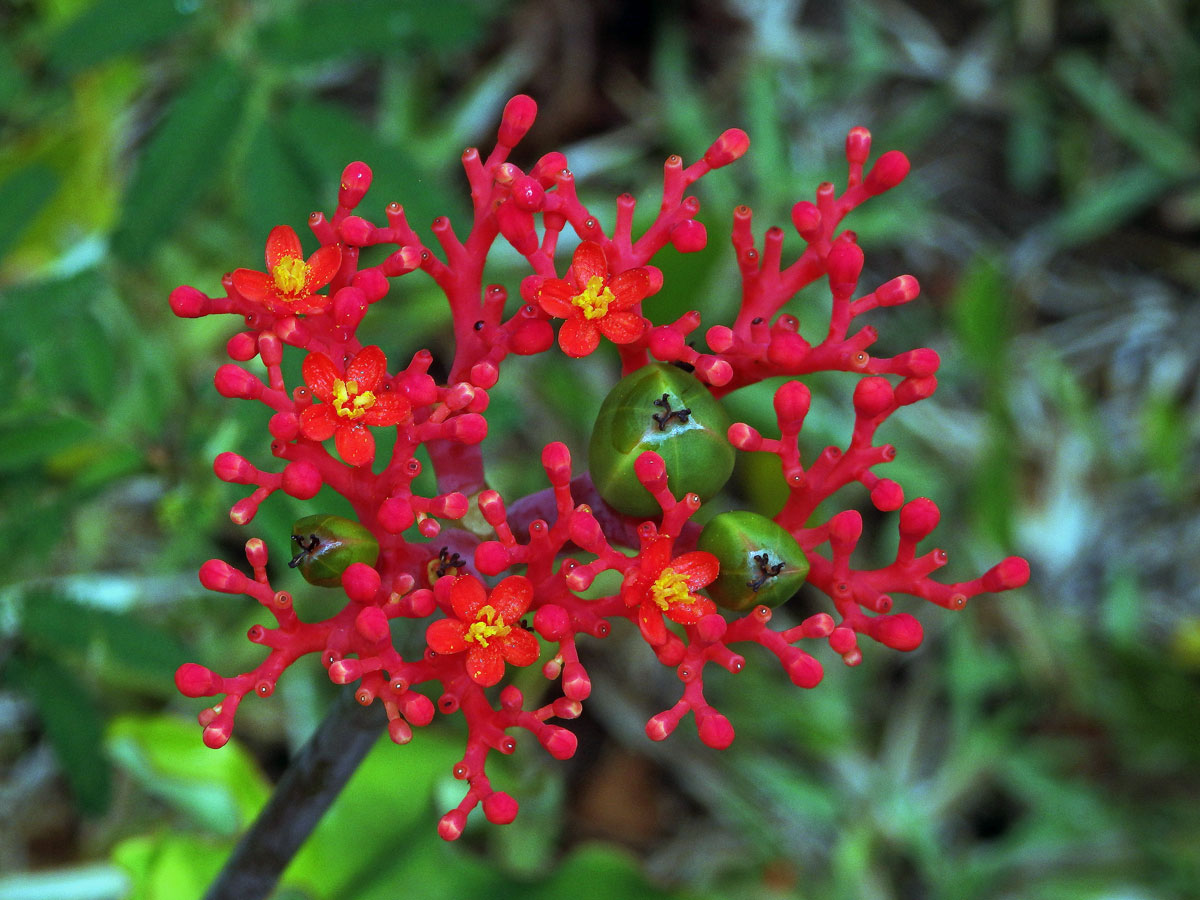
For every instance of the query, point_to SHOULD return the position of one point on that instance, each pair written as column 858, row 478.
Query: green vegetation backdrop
column 1045, row 744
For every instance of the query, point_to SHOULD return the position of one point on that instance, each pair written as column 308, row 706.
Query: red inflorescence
column 441, row 587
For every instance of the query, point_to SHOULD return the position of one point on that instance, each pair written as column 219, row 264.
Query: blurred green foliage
column 1040, row 746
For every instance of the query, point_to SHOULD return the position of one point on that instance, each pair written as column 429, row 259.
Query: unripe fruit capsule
column 663, row 409
column 327, row 545
column 761, row 563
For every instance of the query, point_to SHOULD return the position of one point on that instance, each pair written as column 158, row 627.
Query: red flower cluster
column 401, row 572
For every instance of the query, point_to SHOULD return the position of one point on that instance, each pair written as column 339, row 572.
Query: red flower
column 661, row 585
column 349, row 405
column 486, row 627
column 599, row 306
column 289, row 285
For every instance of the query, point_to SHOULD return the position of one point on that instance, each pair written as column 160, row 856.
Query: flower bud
column 889, row 170
column 731, row 145
column 516, row 120
column 356, row 179
column 189, row 303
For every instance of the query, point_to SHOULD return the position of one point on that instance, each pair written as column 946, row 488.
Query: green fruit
column 659, row 407
column 761, row 564
column 327, row 545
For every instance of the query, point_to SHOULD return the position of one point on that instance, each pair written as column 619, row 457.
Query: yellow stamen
column 348, row 402
column 487, row 625
column 595, row 298
column 291, row 276
column 670, row 587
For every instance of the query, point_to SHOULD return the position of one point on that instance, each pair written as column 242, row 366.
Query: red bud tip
column 731, row 145
column 792, row 401
column 548, row 167
column 715, row 730
column 918, row 518
column 914, row 389
column 889, row 170
column 360, row 582
column 516, row 120
column 575, row 682
column 372, row 282
column 873, row 397
column 417, row 708
column 234, row 469
column 556, row 460
column 256, row 552
column 491, row 558
column 451, row 826
column 511, row 697
column 500, row 808
column 301, row 480
column 1011, row 573
column 356, row 231
column 899, row 290
column 528, row 193
column 717, row 372
column 284, row 426
column 845, row 263
column 858, row 145
column 399, row 731
column 344, row 671
column 845, row 529
column 396, row 514
column 719, row 338
column 470, row 428
column 429, row 528
column 920, row 363
column 818, row 626
column 659, row 727
column 234, row 381
column 650, row 470
column 585, row 531
column 188, row 303
column 803, row 670
column 485, row 374
column 666, row 342
column 744, row 437
column 843, row 640
column 567, row 709
column 194, row 680
column 559, row 742
column 887, row 495
column 689, row 236
column 218, row 575
column 372, row 624
column 356, row 179
column 454, row 505
column 807, row 219
column 491, row 507
column 242, row 346
column 216, row 735
column 900, row 631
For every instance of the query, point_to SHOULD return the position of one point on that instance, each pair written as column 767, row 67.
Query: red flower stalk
column 594, row 303
column 661, row 586
column 348, row 405
column 487, row 627
column 290, row 284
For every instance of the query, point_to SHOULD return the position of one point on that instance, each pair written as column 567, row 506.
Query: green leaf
column 26, row 443
column 222, row 790
column 22, row 195
column 182, row 159
column 108, row 28
column 279, row 188
column 73, row 724
column 170, row 864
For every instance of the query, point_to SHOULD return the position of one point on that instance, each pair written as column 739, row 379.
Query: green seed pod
column 659, row 407
column 761, row 564
column 327, row 545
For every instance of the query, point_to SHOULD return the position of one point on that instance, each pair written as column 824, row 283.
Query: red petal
column 367, row 369
column 578, row 337
column 253, row 285
column 692, row 612
column 322, row 266
column 313, row 303
column 520, row 647
column 650, row 623
column 588, row 262
column 699, row 568
column 390, row 408
column 621, row 327
column 467, row 597
column 354, row 444
column 446, row 636
column 511, row 597
column 318, row 423
column 485, row 665
column 319, row 374
column 555, row 298
column 629, row 287
column 282, row 242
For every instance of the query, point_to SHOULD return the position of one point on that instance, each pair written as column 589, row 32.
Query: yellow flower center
column 670, row 587
column 348, row 402
column 595, row 298
column 487, row 625
column 291, row 275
